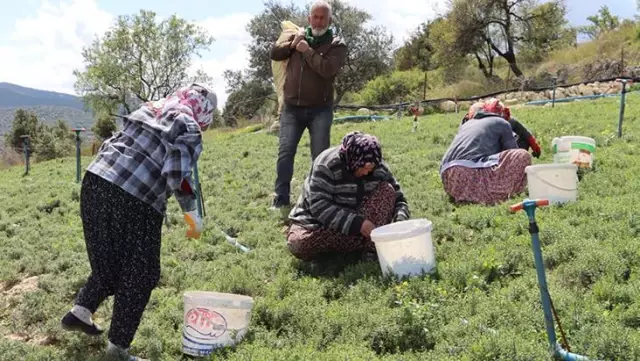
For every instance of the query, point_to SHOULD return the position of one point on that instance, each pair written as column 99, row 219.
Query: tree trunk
column 339, row 95
column 511, row 58
column 485, row 70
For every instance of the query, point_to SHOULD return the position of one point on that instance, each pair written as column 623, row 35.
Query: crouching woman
column 349, row 192
column 483, row 163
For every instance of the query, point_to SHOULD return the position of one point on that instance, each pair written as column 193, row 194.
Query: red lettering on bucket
column 204, row 323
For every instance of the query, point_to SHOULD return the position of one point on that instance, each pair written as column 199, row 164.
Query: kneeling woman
column 484, row 163
column 349, row 192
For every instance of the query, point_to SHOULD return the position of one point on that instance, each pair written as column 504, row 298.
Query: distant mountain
column 12, row 95
column 47, row 105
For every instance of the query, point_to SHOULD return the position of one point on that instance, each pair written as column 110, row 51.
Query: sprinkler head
column 528, row 204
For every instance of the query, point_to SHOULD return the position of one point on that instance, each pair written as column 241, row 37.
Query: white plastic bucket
column 405, row 248
column 214, row 320
column 557, row 183
column 574, row 149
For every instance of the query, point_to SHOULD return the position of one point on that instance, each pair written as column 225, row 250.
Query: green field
column 483, row 303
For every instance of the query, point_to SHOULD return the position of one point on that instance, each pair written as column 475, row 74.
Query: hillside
column 483, row 303
column 48, row 106
column 616, row 53
column 12, row 95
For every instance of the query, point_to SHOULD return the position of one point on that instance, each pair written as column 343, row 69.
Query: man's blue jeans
column 293, row 121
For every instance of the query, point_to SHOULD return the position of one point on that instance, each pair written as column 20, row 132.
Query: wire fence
column 403, row 105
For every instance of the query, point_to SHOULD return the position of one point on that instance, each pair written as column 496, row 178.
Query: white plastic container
column 405, row 248
column 213, row 320
column 574, row 149
column 557, row 183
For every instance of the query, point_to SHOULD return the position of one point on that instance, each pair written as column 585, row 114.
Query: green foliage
column 247, row 94
column 487, row 29
column 46, row 141
column 416, row 51
column 104, row 127
column 396, row 87
column 547, row 31
column 24, row 123
column 139, row 59
column 54, row 142
column 482, row 304
column 603, row 22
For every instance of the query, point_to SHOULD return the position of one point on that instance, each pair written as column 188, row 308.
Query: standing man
column 315, row 57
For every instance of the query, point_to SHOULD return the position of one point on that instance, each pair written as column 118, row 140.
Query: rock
column 448, row 106
column 512, row 101
column 584, row 89
column 364, row 111
column 274, row 128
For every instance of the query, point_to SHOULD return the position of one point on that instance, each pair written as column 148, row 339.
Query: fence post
column 26, row 150
column 399, row 111
column 424, row 90
column 553, row 97
column 78, row 141
column 457, row 106
column 622, row 100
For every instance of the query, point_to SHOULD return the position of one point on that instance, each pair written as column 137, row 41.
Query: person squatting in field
column 484, row 163
column 348, row 192
column 315, row 55
column 123, row 201
column 524, row 138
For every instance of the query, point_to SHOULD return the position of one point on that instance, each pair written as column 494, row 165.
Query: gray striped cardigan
column 331, row 195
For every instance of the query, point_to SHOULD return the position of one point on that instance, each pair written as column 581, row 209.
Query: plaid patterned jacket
column 150, row 158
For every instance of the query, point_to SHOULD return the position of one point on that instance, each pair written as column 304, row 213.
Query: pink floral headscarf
column 196, row 101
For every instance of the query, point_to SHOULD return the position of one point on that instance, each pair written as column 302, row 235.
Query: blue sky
column 41, row 41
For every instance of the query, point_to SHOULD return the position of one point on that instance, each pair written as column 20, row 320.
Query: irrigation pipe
column 200, row 205
column 359, row 117
column 570, row 99
column 478, row 97
column 529, row 206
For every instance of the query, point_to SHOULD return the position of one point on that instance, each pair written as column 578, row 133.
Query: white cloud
column 230, row 43
column 400, row 17
column 44, row 49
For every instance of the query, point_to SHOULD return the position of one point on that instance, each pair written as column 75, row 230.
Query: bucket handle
column 555, row 186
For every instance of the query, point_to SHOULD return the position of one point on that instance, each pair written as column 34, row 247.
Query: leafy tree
column 265, row 30
column 446, row 55
column 549, row 30
column 489, row 28
column 139, row 59
column 247, row 94
column 416, row 51
column 601, row 23
column 104, row 126
column 24, row 123
column 370, row 48
column 53, row 142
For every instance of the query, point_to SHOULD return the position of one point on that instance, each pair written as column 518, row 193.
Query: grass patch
column 483, row 304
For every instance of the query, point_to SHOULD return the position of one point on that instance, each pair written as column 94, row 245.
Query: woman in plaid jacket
column 123, row 201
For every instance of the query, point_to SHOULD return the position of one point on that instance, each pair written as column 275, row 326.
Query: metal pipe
column 200, row 207
column 25, row 150
column 78, row 162
column 553, row 97
column 622, row 104
column 529, row 206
